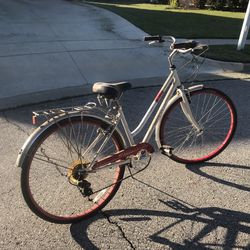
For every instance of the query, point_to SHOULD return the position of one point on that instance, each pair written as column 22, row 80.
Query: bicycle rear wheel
column 54, row 182
column 216, row 115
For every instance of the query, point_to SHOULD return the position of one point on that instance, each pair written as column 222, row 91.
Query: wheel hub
column 77, row 172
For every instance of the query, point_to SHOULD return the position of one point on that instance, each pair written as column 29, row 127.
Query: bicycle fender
column 172, row 100
column 37, row 132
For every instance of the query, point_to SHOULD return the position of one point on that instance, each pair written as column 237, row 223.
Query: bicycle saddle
column 111, row 90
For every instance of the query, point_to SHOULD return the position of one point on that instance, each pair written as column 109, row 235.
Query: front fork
column 187, row 111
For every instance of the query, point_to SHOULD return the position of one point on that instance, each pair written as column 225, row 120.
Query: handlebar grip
column 154, row 38
column 185, row 45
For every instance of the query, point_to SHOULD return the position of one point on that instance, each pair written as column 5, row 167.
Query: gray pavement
column 55, row 48
column 220, row 41
column 169, row 206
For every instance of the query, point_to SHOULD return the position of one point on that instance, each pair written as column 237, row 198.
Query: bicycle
column 73, row 164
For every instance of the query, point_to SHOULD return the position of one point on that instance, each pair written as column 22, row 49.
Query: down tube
column 159, row 113
column 153, row 105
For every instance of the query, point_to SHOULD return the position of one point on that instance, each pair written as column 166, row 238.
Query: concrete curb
column 231, row 66
column 83, row 90
column 65, row 92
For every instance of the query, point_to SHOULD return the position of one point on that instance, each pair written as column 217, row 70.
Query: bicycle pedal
column 166, row 150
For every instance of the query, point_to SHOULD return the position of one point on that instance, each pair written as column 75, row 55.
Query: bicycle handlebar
column 181, row 47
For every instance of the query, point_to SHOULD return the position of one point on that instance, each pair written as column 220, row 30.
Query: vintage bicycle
column 74, row 162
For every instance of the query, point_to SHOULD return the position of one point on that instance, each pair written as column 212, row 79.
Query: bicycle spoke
column 58, row 183
column 51, row 162
column 214, row 112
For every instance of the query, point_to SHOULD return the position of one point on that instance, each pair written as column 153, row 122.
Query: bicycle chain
column 131, row 175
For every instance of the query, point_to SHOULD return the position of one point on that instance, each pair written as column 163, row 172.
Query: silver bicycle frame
column 171, row 85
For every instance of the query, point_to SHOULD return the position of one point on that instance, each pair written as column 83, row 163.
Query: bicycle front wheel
column 216, row 115
column 54, row 182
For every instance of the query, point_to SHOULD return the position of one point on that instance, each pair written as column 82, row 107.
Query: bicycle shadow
column 197, row 169
column 212, row 218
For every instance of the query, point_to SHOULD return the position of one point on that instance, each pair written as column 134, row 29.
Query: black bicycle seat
column 111, row 90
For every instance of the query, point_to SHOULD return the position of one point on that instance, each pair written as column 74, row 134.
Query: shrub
column 244, row 4
column 231, row 4
column 217, row 4
column 185, row 3
column 214, row 4
column 199, row 3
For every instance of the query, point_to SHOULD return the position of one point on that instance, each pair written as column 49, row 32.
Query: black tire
column 54, row 157
column 214, row 112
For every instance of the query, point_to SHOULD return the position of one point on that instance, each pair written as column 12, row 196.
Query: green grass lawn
column 161, row 19
column 229, row 53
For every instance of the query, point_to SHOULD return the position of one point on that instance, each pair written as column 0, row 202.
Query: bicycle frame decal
column 158, row 96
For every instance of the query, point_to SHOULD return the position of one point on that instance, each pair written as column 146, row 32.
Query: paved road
column 169, row 206
column 55, row 48
column 220, row 41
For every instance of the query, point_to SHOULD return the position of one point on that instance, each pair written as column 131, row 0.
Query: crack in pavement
column 15, row 124
column 107, row 216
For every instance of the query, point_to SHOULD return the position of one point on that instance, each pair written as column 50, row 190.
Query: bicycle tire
column 45, row 182
column 215, row 113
